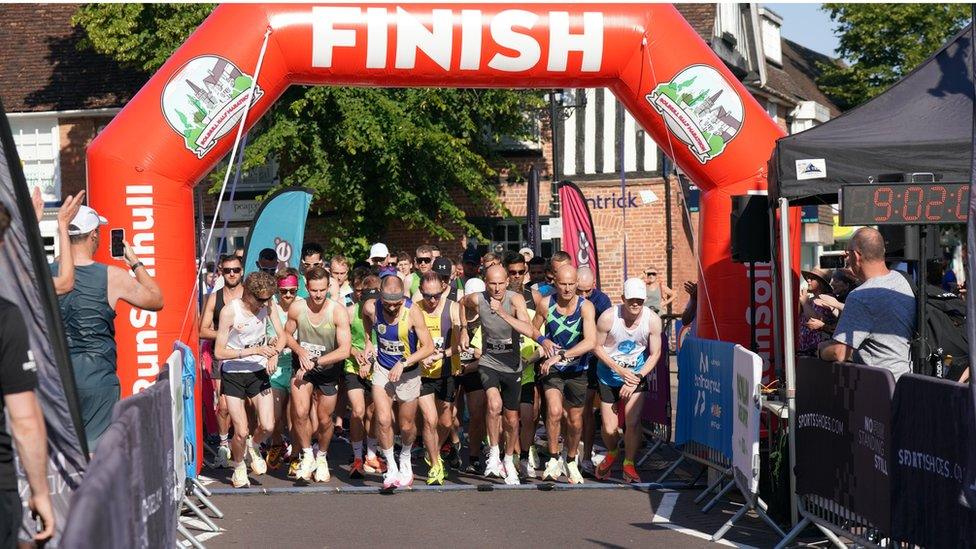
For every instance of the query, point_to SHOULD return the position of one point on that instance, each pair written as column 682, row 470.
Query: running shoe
column 630, row 472
column 562, row 462
column 374, row 465
column 276, row 456
column 603, row 470
column 293, row 466
column 391, row 479
column 405, row 478
column 474, row 466
column 356, row 469
column 533, row 457
column 222, row 460
column 306, row 467
column 573, row 474
column 258, row 465
column 453, row 457
column 322, row 473
column 239, row 478
column 511, row 472
column 528, row 471
column 494, row 468
column 587, row 467
column 553, row 469
column 436, row 474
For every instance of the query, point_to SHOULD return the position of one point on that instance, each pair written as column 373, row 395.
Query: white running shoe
column 553, row 469
column 562, row 463
column 239, row 478
column 533, row 457
column 322, row 473
column 494, row 468
column 223, row 457
column 574, row 475
column 258, row 465
column 306, row 467
column 391, row 478
column 406, row 477
column 511, row 472
column 528, row 470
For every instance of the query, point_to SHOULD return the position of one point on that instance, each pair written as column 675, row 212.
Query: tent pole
column 789, row 352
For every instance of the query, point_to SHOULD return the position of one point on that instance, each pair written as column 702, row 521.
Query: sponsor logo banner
column 705, row 394
column 843, row 436
column 747, row 371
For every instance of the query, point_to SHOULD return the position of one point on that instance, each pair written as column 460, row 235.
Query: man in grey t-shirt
column 878, row 321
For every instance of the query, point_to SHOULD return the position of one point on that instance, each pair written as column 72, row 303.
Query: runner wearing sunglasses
column 438, row 388
column 423, row 262
column 231, row 269
column 249, row 358
column 320, row 349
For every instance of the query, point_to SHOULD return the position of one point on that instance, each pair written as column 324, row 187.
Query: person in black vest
column 18, row 379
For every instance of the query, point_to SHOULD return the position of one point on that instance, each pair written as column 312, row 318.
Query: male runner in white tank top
column 249, row 359
column 628, row 344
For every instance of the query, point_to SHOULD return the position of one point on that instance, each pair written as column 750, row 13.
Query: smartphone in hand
column 118, row 248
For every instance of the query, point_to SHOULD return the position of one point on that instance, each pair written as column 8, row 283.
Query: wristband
column 136, row 265
column 540, row 339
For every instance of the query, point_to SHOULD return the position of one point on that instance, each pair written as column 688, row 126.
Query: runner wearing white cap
column 628, row 344
column 378, row 254
column 88, row 311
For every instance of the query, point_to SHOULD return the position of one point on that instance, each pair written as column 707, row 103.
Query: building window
column 234, row 239
column 511, row 235
column 772, row 110
column 38, row 143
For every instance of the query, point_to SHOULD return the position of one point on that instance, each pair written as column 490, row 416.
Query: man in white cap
column 379, row 254
column 628, row 345
column 88, row 312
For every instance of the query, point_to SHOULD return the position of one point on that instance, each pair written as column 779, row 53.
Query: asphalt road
column 561, row 518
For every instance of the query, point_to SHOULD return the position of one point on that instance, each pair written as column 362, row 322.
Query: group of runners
column 485, row 350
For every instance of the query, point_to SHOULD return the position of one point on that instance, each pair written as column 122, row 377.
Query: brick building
column 58, row 97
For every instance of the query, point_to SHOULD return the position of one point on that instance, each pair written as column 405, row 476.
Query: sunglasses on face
column 311, row 265
column 585, row 293
column 231, row 270
column 515, row 272
column 269, row 270
column 424, row 259
column 651, row 273
column 288, row 291
column 435, row 295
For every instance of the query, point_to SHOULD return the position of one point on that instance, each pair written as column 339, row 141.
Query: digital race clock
column 904, row 204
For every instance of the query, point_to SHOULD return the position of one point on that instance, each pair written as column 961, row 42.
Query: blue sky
column 808, row 26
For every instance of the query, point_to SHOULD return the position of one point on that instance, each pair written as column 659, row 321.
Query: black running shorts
column 443, row 388
column 509, row 384
column 571, row 384
column 245, row 384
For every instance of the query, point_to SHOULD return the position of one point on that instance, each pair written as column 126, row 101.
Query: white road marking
column 662, row 518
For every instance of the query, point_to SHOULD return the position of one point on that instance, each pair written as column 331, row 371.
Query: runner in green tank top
column 358, row 380
column 320, row 350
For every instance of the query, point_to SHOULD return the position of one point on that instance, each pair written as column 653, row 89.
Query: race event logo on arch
column 701, row 109
column 205, row 99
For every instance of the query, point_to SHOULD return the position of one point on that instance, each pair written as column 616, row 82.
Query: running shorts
column 405, row 389
column 572, row 385
column 509, row 384
column 611, row 395
column 443, row 388
column 245, row 384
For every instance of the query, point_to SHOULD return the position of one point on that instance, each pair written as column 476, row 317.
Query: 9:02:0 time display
column 904, row 204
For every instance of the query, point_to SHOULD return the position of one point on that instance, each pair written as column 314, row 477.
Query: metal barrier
column 833, row 520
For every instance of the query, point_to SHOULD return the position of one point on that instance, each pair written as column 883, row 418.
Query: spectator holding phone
column 88, row 312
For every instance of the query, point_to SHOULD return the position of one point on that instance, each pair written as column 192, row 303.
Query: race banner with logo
column 933, row 426
column 747, row 372
column 279, row 225
column 579, row 238
column 705, row 394
column 533, row 229
column 843, row 436
column 657, row 402
column 25, row 280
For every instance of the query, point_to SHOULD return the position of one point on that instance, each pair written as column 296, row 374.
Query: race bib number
column 259, row 343
column 392, row 347
column 466, row 356
column 439, row 343
column 497, row 346
column 628, row 362
column 314, row 351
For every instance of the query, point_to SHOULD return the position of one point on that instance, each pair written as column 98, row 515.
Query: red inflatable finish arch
column 144, row 164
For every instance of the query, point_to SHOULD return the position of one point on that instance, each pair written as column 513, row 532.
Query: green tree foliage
column 884, row 42
column 370, row 154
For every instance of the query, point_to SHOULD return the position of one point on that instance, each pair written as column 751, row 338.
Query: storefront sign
column 239, row 210
column 605, row 202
